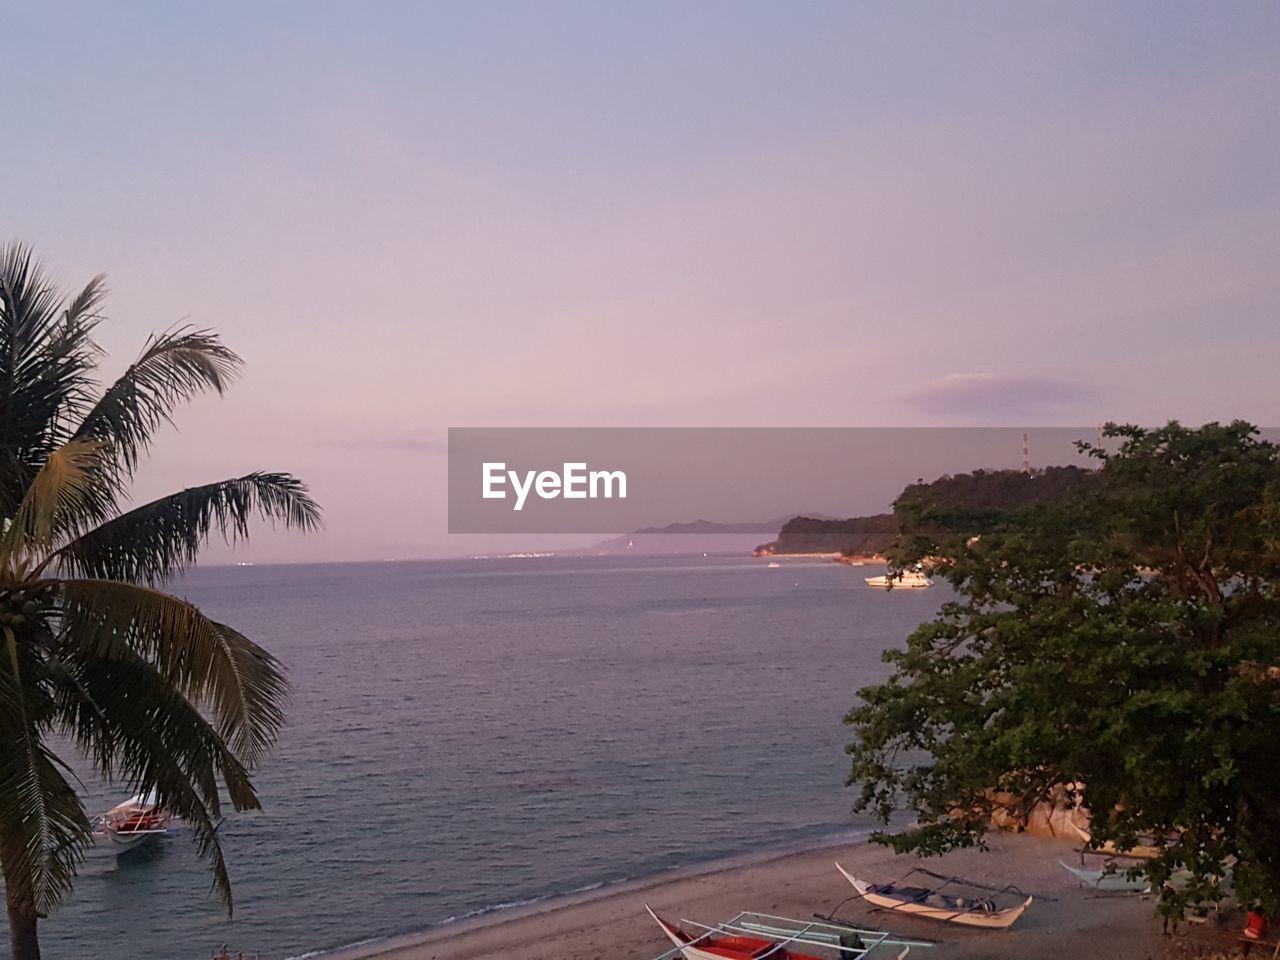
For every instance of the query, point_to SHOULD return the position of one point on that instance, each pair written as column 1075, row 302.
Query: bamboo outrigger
column 933, row 905
column 1141, row 851
column 762, row 936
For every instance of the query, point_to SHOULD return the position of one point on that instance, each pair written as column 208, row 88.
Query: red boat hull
column 723, row 946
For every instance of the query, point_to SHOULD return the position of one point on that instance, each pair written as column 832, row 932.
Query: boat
column 130, row 825
column 1141, row 851
column 750, row 936
column 910, row 579
column 1108, row 881
column 774, row 566
column 1114, row 879
column 932, row 904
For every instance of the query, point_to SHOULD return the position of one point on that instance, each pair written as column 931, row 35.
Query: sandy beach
column 1065, row 921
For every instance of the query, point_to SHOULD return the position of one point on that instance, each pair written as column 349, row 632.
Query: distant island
column 694, row 537
column 710, row 526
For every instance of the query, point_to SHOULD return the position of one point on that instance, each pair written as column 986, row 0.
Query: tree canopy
column 1120, row 646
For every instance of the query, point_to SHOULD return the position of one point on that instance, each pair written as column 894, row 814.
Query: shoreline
column 1065, row 922
column 500, row 914
column 828, row 556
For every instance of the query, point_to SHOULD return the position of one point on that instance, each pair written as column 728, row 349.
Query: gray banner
column 605, row 480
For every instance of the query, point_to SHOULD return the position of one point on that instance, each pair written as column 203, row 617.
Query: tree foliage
column 1121, row 646
column 976, row 503
column 92, row 652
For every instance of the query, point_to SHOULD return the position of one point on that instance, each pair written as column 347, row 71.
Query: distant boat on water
column 911, row 579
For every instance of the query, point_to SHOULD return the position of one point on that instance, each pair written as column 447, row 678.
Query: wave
column 528, row 901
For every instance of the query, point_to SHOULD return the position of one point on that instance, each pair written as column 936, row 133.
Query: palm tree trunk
column 22, row 925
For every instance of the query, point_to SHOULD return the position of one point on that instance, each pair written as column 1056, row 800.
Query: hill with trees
column 974, row 502
column 854, row 536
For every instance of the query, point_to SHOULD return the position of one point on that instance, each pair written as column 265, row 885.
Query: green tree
column 92, row 653
column 1121, row 646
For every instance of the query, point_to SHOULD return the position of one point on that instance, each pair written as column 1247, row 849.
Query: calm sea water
column 468, row 734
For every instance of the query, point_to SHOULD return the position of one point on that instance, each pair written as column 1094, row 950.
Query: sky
column 408, row 217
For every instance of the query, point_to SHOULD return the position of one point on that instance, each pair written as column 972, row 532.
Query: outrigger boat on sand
column 1115, row 879
column 129, row 825
column 1142, row 851
column 1108, row 881
column 759, row 936
column 934, row 905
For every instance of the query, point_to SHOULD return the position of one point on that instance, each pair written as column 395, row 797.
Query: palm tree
column 92, row 652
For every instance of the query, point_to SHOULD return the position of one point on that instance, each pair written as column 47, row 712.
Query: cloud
column 1007, row 397
column 405, row 444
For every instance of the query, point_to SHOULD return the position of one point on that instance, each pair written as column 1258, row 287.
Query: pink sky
column 597, row 214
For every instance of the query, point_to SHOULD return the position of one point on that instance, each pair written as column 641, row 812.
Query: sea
column 466, row 736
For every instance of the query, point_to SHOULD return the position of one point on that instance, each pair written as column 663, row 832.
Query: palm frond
column 66, row 494
column 47, row 356
column 46, row 829
column 174, row 367
column 83, row 307
column 29, row 310
column 71, row 357
column 260, row 692
column 153, row 542
column 206, row 662
column 135, row 726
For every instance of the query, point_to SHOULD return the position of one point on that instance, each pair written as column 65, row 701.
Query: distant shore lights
column 573, row 482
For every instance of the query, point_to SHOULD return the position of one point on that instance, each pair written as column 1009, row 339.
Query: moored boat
column 910, row 579
column 934, row 905
column 130, row 825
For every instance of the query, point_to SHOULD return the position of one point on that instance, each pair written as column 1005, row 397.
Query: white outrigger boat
column 753, row 936
column 1142, row 851
column 130, row 825
column 934, row 905
column 909, row 579
column 1108, row 881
